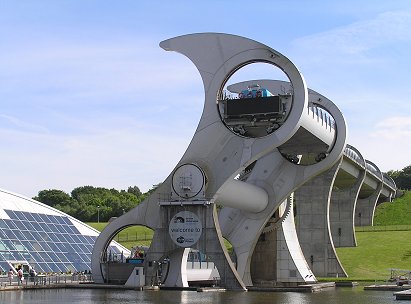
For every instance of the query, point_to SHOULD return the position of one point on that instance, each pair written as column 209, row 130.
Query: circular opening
column 251, row 104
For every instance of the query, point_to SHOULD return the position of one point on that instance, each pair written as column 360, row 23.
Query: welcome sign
column 185, row 229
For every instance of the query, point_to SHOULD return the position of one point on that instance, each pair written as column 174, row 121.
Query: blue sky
column 87, row 97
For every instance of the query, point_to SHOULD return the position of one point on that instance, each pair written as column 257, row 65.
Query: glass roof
column 49, row 243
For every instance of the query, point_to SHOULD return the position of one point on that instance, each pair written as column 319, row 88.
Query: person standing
column 20, row 275
column 10, row 275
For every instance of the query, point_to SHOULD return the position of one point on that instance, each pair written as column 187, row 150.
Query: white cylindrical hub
column 241, row 195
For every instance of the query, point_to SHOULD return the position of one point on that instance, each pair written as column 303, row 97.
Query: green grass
column 129, row 237
column 376, row 253
column 397, row 212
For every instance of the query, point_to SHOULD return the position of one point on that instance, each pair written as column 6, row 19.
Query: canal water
column 90, row 296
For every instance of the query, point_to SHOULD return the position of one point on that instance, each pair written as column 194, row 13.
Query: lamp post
column 98, row 214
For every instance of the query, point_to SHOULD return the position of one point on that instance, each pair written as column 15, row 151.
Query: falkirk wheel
column 257, row 142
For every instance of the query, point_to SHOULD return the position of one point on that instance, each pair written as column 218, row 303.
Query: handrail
column 354, row 155
column 389, row 181
column 373, row 169
column 321, row 115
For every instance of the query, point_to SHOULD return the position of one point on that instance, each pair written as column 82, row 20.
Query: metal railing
column 383, row 228
column 47, row 279
column 389, row 181
column 322, row 116
column 352, row 154
column 372, row 169
column 126, row 236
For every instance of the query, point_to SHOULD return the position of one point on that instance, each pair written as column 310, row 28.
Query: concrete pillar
column 313, row 229
column 210, row 243
column 342, row 209
column 365, row 208
column 277, row 257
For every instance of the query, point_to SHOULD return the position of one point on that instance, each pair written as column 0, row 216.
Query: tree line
column 402, row 178
column 89, row 204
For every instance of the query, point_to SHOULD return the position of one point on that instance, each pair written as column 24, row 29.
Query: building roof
column 34, row 234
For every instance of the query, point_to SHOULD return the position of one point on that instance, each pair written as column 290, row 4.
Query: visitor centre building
column 33, row 234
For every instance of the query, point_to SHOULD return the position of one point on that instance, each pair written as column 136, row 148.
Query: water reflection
column 89, row 296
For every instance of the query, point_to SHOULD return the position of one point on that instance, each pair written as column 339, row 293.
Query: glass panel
column 3, row 246
column 3, row 224
column 44, row 218
column 11, row 224
column 37, row 218
column 45, row 257
column 29, row 226
column 69, row 238
column 61, row 238
column 16, row 256
column 62, row 257
column 54, row 238
column 19, row 246
column 54, row 247
column 4, row 266
column 76, row 239
column 7, row 255
column 20, row 216
column 36, row 235
column 45, row 246
column 36, row 246
column 45, row 267
column 27, row 246
column 10, row 234
column 27, row 235
column 53, row 257
column 70, row 267
column 20, row 225
column 46, row 227
column 60, row 229
column 11, row 214
column 53, row 228
column 36, row 256
column 19, row 235
column 45, row 236
column 54, row 267
column 37, row 226
column 29, row 216
column 36, row 267
column 9, row 244
column 60, row 219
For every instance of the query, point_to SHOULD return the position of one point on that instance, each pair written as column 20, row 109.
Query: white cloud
column 358, row 37
column 387, row 144
column 394, row 129
column 118, row 158
column 15, row 122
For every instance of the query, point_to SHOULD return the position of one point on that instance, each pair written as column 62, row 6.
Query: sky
column 87, row 96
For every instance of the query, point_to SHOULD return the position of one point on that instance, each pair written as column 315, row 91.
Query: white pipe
column 241, row 195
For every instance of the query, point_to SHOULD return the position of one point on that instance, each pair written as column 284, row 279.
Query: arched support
column 313, row 228
column 344, row 197
column 365, row 208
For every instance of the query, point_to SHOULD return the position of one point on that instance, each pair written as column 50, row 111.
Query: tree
column 53, row 197
column 402, row 178
column 134, row 190
column 87, row 203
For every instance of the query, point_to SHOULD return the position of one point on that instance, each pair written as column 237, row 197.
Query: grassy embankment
column 379, row 249
column 382, row 247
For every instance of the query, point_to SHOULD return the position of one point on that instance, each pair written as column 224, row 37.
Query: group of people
column 20, row 274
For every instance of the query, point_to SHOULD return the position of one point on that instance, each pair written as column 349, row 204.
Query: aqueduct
column 260, row 147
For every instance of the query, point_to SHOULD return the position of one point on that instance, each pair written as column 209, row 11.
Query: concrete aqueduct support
column 232, row 137
column 344, row 198
column 367, row 201
column 313, row 224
